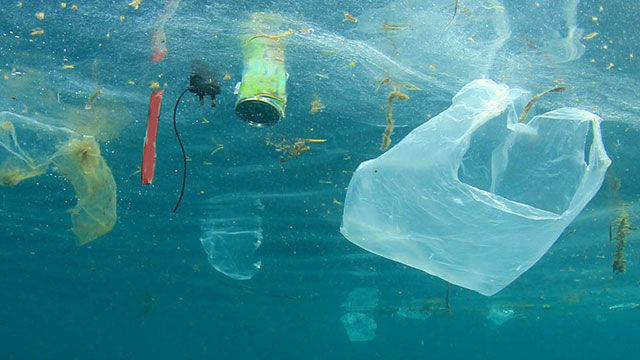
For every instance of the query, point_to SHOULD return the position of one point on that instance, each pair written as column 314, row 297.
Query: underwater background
column 292, row 286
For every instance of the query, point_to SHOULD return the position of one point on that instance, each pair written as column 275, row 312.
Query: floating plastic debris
column 624, row 306
column 499, row 316
column 159, row 39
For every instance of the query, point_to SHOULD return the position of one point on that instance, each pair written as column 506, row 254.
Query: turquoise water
column 147, row 290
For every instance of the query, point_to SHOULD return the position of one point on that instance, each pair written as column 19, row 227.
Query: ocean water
column 278, row 280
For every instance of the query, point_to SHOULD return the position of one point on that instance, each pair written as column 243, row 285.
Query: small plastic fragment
column 159, row 39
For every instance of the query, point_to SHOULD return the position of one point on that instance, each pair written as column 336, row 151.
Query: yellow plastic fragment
column 63, row 5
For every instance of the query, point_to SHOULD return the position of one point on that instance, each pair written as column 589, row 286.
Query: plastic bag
column 231, row 236
column 80, row 162
column 27, row 149
column 473, row 196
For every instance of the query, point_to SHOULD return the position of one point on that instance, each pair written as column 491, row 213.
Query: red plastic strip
column 149, row 153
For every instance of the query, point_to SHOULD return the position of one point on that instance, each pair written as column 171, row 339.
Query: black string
column 184, row 155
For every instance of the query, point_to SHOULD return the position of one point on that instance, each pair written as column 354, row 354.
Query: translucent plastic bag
column 472, row 196
column 29, row 147
column 231, row 236
column 94, row 215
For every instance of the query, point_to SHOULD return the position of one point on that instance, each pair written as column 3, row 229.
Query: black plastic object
column 202, row 82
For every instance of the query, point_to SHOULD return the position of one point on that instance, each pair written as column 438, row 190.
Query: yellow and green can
column 262, row 94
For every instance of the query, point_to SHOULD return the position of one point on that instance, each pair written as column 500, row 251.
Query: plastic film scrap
column 27, row 147
column 473, row 196
column 159, row 39
column 81, row 163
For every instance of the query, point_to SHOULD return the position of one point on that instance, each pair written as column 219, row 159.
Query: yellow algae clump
column 80, row 162
column 40, row 15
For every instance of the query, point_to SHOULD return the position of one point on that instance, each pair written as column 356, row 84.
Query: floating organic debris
column 525, row 112
column 316, row 105
column 135, row 4
column 270, row 37
column 386, row 137
column 289, row 149
column 92, row 98
column 395, row 27
column 622, row 229
column 350, row 17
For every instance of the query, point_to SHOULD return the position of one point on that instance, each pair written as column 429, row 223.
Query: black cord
column 184, row 155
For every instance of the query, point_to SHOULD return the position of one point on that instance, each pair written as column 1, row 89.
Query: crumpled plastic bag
column 473, row 196
column 232, row 235
column 29, row 147
column 81, row 163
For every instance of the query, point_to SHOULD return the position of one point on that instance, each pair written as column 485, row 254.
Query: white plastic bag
column 472, row 196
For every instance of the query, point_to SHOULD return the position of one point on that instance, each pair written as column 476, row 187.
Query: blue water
column 146, row 289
